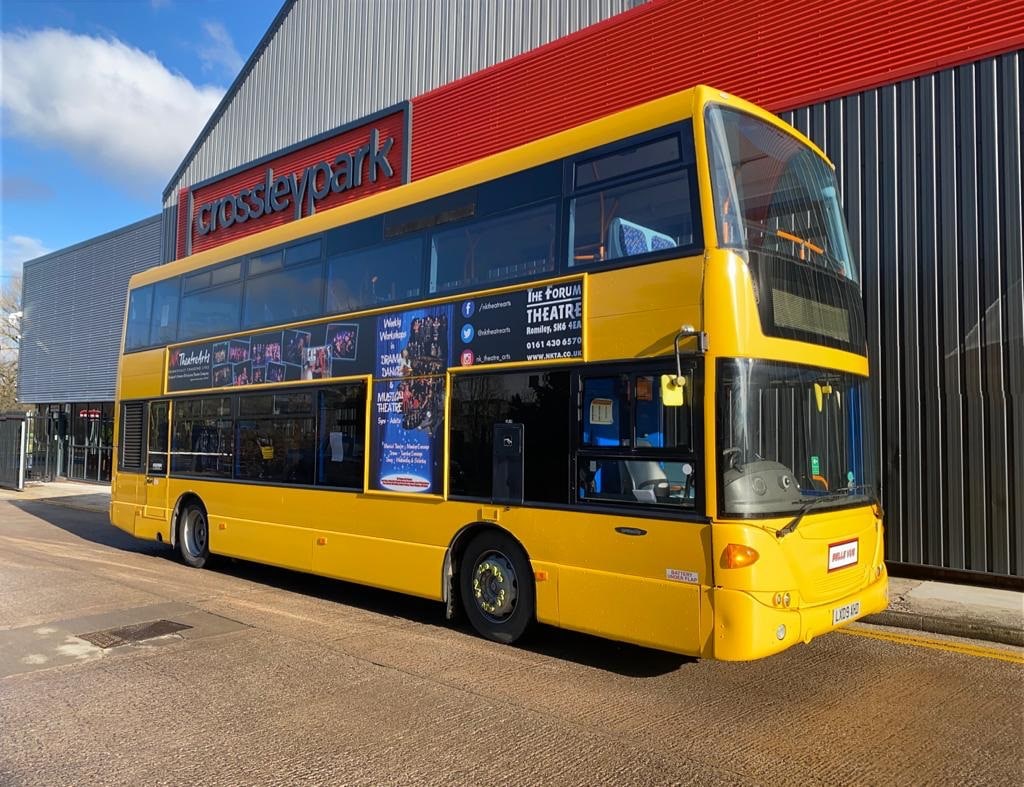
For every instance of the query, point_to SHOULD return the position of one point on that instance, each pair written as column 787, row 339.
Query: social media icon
column 468, row 309
column 468, row 357
column 467, row 333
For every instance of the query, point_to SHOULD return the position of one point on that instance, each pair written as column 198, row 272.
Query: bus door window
column 156, row 452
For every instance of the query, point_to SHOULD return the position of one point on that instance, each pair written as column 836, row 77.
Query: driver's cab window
column 634, row 449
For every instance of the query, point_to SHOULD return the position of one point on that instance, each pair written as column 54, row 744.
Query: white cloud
column 16, row 250
column 218, row 50
column 114, row 108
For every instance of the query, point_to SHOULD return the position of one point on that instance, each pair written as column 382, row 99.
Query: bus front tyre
column 496, row 584
column 194, row 535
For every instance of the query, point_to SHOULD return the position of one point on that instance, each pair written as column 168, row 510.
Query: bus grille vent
column 131, row 435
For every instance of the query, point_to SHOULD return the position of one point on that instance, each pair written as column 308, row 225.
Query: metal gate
column 13, row 448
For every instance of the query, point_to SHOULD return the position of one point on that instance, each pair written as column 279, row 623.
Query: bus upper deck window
column 140, row 306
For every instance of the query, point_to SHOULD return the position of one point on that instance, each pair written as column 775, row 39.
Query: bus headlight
column 780, row 632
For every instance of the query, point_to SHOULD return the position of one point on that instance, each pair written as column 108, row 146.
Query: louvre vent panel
column 131, row 435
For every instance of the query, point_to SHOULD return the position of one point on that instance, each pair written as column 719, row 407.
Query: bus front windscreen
column 775, row 193
column 777, row 205
column 791, row 435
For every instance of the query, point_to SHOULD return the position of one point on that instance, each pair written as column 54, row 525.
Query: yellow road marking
column 963, row 649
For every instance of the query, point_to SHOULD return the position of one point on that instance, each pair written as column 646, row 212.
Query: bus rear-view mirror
column 673, row 390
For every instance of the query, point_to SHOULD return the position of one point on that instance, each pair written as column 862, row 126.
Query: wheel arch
column 453, row 557
column 183, row 499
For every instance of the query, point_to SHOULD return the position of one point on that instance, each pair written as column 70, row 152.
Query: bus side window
column 540, row 401
column 342, row 440
column 633, row 449
column 632, row 201
column 140, row 306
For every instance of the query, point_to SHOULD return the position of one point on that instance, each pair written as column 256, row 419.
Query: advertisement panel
column 539, row 323
column 528, row 324
column 408, row 399
column 313, row 352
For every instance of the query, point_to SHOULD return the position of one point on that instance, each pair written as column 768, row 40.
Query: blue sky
column 100, row 101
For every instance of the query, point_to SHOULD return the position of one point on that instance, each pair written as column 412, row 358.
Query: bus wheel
column 194, row 535
column 496, row 585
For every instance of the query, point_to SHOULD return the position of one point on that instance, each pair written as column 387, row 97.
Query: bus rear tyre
column 496, row 587
column 194, row 535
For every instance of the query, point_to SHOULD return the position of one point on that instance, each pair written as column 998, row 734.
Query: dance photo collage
column 316, row 353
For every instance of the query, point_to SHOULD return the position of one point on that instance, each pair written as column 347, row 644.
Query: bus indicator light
column 739, row 556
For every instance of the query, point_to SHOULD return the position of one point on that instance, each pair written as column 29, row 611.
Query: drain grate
column 137, row 632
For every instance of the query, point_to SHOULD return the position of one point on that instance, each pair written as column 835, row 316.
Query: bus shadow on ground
column 87, row 524
column 589, row 651
column 584, row 649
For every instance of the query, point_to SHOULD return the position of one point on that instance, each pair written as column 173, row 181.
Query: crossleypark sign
column 346, row 163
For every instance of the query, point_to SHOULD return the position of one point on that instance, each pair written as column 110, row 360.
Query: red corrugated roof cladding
column 779, row 54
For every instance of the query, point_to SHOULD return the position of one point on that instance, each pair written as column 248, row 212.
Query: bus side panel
column 651, row 612
column 641, row 320
column 264, row 542
column 643, row 588
column 383, row 563
column 124, row 501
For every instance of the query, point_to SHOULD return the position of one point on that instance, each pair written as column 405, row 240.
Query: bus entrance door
column 153, row 519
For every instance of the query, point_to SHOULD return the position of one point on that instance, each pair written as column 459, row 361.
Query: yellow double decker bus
column 614, row 380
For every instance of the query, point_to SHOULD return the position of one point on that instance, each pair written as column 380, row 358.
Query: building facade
column 919, row 107
column 73, row 306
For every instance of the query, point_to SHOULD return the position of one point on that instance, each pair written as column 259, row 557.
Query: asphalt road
column 287, row 678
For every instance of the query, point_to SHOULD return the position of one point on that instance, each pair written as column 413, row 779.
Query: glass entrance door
column 90, row 449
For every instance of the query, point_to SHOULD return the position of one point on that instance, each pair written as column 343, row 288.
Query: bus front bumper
column 746, row 629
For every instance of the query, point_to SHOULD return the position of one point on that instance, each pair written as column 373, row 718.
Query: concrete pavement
column 940, row 608
column 288, row 678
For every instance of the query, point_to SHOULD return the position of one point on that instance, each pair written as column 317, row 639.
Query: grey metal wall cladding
column 332, row 61
column 74, row 304
column 930, row 170
column 169, row 234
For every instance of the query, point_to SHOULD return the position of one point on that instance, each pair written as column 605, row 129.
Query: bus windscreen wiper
column 795, row 521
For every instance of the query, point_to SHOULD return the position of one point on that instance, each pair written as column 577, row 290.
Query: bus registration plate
column 845, row 612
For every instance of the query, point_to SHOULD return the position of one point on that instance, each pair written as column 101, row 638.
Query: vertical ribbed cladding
column 930, row 170
column 169, row 232
column 74, row 358
column 334, row 61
